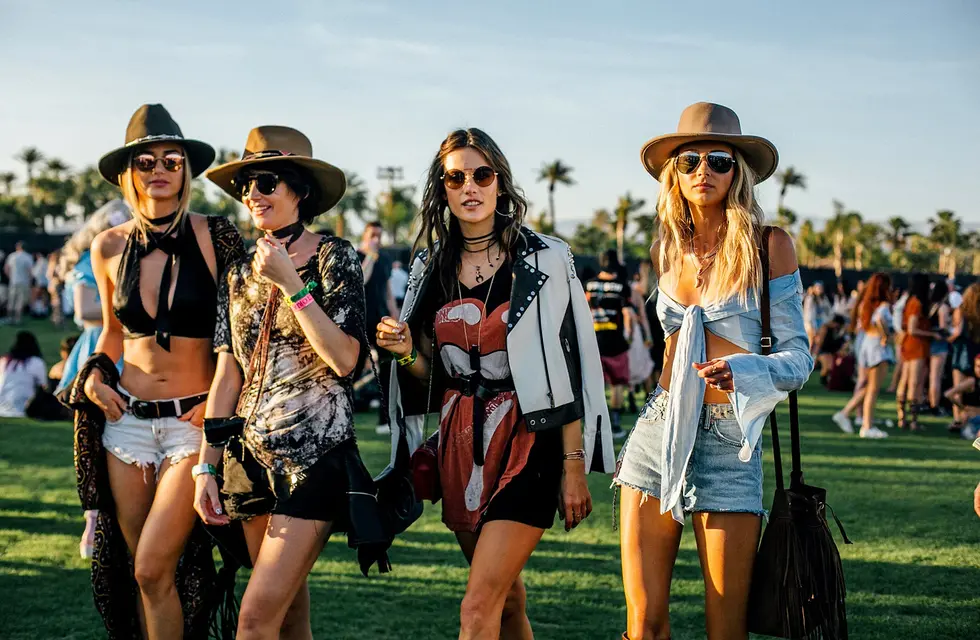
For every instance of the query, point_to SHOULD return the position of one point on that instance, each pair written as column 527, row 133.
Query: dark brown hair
column 437, row 223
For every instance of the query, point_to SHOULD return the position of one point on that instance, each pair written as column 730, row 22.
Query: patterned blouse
column 305, row 408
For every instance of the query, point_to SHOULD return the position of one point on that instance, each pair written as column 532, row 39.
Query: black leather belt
column 480, row 389
column 150, row 409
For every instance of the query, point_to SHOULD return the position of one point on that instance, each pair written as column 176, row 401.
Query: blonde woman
column 138, row 432
column 696, row 447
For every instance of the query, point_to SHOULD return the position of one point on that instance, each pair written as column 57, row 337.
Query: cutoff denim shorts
column 150, row 442
column 715, row 480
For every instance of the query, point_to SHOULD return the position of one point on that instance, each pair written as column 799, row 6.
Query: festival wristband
column 409, row 360
column 202, row 469
column 302, row 293
column 303, row 302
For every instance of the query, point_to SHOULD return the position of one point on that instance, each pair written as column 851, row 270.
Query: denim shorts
column 715, row 480
column 150, row 442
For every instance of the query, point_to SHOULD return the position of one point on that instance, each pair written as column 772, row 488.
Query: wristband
column 408, row 360
column 302, row 293
column 576, row 454
column 201, row 469
column 303, row 302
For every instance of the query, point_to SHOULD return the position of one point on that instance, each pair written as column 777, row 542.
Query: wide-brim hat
column 150, row 124
column 709, row 122
column 272, row 143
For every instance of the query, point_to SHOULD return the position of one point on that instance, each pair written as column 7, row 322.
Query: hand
column 394, row 336
column 271, row 261
column 976, row 500
column 196, row 415
column 207, row 503
column 575, row 502
column 105, row 397
column 717, row 374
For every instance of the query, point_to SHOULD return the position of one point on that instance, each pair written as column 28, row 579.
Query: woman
column 55, row 287
column 964, row 344
column 816, row 310
column 965, row 395
column 290, row 330
column 22, row 373
column 696, row 450
column 496, row 325
column 157, row 281
column 915, row 353
column 939, row 321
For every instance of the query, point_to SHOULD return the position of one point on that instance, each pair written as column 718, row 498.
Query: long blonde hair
column 736, row 268
column 127, row 184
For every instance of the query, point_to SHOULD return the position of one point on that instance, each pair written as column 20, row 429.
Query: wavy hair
column 875, row 292
column 970, row 309
column 439, row 230
column 127, row 184
column 736, row 268
column 110, row 214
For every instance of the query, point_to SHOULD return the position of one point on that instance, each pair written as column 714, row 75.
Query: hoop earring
column 505, row 215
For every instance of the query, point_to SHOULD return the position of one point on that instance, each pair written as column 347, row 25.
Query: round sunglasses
column 718, row 161
column 147, row 162
column 456, row 178
column 264, row 183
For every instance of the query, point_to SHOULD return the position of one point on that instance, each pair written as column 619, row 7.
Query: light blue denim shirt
column 761, row 382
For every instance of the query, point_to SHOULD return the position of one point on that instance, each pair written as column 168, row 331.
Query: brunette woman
column 289, row 333
column 496, row 326
column 156, row 277
column 696, row 448
column 939, row 321
column 964, row 344
column 915, row 353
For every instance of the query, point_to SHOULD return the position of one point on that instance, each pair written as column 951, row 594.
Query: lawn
column 913, row 572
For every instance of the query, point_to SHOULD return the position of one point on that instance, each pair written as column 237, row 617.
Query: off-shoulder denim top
column 761, row 382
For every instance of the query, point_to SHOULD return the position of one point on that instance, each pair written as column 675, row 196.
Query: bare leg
column 501, row 552
column 858, row 396
column 896, row 374
column 903, row 391
column 286, row 555
column 875, row 375
column 161, row 543
column 649, row 544
column 513, row 622
column 958, row 416
column 727, row 544
column 937, row 365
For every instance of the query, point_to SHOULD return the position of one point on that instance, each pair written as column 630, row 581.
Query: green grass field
column 913, row 572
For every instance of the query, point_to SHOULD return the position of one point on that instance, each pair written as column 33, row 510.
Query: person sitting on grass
column 22, row 373
column 966, row 397
column 57, row 369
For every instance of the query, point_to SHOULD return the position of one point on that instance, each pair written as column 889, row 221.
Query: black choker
column 164, row 221
column 292, row 231
column 476, row 239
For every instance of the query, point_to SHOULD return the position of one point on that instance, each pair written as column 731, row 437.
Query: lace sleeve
column 228, row 244
column 222, row 325
column 342, row 293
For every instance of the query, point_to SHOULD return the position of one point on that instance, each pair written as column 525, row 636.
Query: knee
column 479, row 607
column 154, row 575
column 254, row 619
column 515, row 603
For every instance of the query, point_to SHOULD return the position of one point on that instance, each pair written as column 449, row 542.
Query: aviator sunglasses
column 265, row 183
column 718, row 161
column 456, row 178
column 147, row 162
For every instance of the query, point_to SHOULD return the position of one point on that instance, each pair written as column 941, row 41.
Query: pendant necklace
column 703, row 263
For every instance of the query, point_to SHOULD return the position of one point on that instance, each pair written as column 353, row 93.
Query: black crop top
column 192, row 312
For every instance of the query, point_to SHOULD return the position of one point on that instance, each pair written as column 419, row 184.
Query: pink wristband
column 303, row 302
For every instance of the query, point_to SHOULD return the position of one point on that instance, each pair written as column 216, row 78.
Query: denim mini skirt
column 715, row 479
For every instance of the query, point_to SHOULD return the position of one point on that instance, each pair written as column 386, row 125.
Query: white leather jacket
column 551, row 349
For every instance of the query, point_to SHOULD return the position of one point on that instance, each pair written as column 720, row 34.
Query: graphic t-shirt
column 608, row 299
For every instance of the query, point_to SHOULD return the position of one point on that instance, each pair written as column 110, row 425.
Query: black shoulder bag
column 798, row 581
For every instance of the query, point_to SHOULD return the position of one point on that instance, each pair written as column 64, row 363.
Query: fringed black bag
column 798, row 586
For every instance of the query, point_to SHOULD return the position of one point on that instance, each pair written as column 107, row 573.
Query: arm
column 965, row 386
column 914, row 329
column 222, row 400
column 959, row 323
column 576, row 502
column 110, row 341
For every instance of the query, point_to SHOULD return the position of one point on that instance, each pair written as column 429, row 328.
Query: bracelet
column 302, row 293
column 303, row 302
column 408, row 360
column 202, row 469
column 575, row 454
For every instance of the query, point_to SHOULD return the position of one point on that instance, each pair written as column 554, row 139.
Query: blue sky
column 875, row 102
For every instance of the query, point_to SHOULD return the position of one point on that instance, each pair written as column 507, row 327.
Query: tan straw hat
column 271, row 143
column 706, row 121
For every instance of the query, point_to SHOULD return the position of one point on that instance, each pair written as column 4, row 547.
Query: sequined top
column 305, row 409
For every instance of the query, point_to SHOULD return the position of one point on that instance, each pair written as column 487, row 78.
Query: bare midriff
column 715, row 347
column 151, row 373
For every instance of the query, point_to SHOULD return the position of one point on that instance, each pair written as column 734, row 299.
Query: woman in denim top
column 696, row 447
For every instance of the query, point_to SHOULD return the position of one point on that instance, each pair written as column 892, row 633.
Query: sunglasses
column 482, row 176
column 264, row 183
column 147, row 162
column 718, row 161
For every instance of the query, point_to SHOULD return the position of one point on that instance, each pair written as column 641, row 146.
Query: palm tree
column 843, row 229
column 786, row 218
column 946, row 231
column 8, row 178
column 555, row 173
column 55, row 167
column 355, row 201
column 30, row 157
column 624, row 209
column 789, row 178
column 396, row 211
column 90, row 191
column 898, row 230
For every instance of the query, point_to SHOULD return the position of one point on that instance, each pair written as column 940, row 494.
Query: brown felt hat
column 152, row 123
column 704, row 122
column 271, row 143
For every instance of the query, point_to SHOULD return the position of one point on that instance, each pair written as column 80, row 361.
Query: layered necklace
column 479, row 244
column 703, row 262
